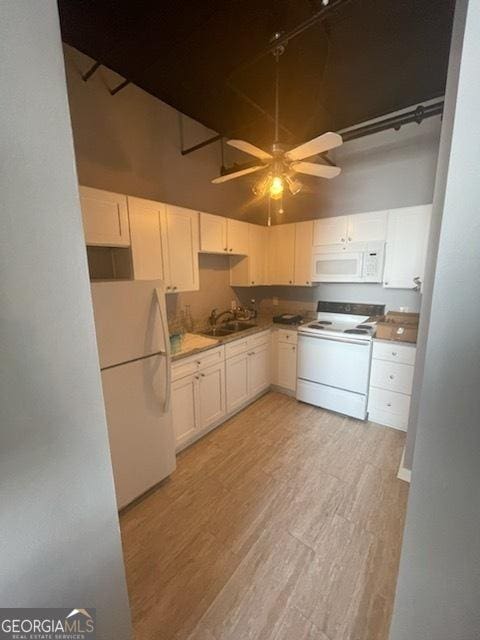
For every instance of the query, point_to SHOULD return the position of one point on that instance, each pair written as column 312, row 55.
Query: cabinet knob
column 197, row 377
column 307, row 282
column 342, row 239
column 174, row 288
column 349, row 239
column 386, row 282
column 231, row 249
column 168, row 288
column 225, row 248
column 199, row 362
column 293, row 348
column 391, row 376
column 394, row 353
column 202, row 375
column 389, row 404
column 253, row 281
column 289, row 282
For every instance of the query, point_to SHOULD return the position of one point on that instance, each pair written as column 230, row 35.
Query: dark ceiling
column 367, row 58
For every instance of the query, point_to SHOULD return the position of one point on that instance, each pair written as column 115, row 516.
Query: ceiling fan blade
column 237, row 174
column 250, row 149
column 319, row 170
column 320, row 144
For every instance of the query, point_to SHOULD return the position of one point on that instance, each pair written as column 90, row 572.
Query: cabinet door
column 145, row 234
column 367, row 227
column 237, row 237
column 211, row 395
column 236, row 371
column 330, row 231
column 180, row 249
column 258, row 370
column 105, row 218
column 287, row 365
column 281, row 254
column 303, row 253
column 257, row 254
column 213, row 233
column 184, row 409
column 406, row 248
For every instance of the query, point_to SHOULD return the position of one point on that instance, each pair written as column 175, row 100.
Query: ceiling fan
column 282, row 164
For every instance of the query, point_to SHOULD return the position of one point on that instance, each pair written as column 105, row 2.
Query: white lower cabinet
column 198, row 402
column 391, row 381
column 211, row 396
column 236, row 369
column 284, row 360
column 216, row 383
column 258, row 370
column 184, row 409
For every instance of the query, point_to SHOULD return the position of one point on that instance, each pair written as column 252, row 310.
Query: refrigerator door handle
column 160, row 294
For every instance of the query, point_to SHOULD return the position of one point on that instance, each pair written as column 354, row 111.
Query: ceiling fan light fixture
column 294, row 186
column 276, row 188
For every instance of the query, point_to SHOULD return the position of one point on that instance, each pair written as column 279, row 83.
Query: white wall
column 60, row 543
column 130, row 143
column 439, row 582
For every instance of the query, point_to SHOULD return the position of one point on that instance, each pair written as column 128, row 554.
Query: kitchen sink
column 228, row 329
column 217, row 332
column 237, row 325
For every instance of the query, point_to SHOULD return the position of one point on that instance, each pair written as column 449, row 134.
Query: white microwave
column 365, row 264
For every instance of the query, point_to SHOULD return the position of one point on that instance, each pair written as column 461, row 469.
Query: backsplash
column 303, row 300
column 215, row 292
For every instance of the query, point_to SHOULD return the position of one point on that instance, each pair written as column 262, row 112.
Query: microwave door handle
column 160, row 295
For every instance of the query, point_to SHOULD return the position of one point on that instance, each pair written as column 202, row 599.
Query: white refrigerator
column 134, row 351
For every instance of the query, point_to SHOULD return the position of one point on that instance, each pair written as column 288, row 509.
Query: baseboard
column 286, row 392
column 403, row 473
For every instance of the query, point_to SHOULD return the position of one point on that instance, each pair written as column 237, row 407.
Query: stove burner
column 317, row 326
column 325, row 321
column 356, row 331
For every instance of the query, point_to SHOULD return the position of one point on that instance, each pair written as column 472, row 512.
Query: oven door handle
column 337, row 339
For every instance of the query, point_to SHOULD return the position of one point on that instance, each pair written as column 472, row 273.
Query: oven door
column 342, row 363
column 337, row 267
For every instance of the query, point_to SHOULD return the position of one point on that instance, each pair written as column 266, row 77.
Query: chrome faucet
column 215, row 316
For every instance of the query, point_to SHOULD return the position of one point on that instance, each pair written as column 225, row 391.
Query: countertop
column 193, row 343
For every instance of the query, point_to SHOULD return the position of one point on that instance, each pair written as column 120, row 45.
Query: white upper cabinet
column 146, row 240
column 281, row 254
column 367, row 227
column 345, row 230
column 251, row 271
column 105, row 218
column 213, row 233
column 330, row 231
column 223, row 235
column 257, row 254
column 180, row 245
column 237, row 236
column 406, row 249
column 303, row 253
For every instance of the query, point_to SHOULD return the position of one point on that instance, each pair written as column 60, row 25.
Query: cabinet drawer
column 258, row 339
column 391, row 401
column 236, row 347
column 244, row 344
column 284, row 335
column 394, row 352
column 391, row 376
column 190, row 365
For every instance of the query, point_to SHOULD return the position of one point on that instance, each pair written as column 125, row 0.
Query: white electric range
column 334, row 354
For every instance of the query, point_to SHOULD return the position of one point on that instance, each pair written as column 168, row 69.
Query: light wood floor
column 283, row 524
